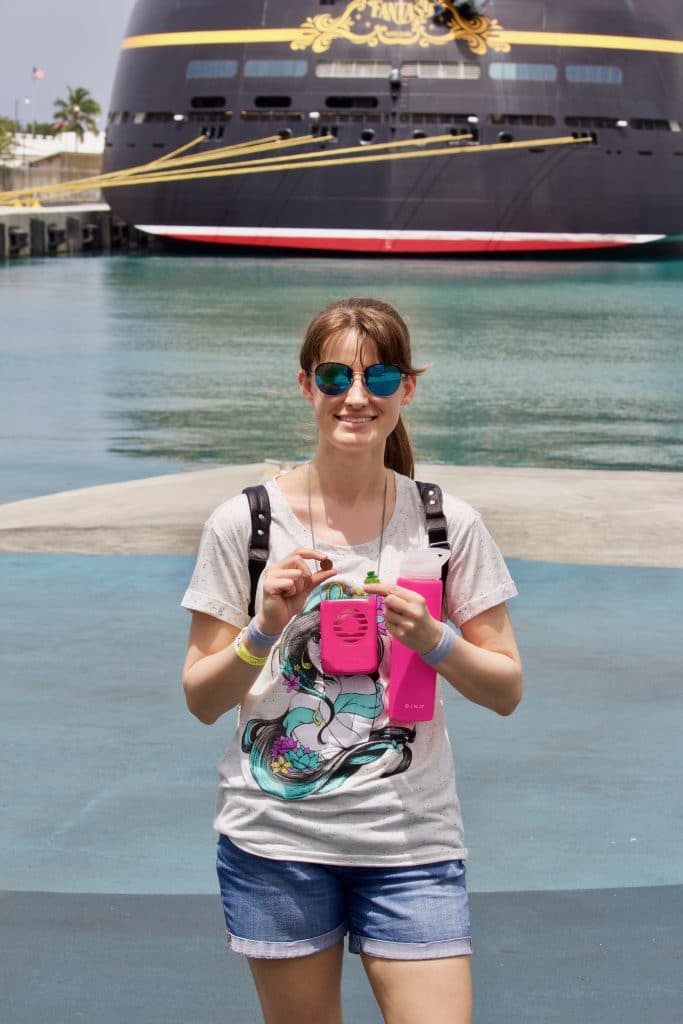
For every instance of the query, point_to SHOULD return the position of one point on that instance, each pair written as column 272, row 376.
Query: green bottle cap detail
column 372, row 577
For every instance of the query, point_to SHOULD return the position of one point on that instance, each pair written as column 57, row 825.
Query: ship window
column 594, row 74
column 431, row 118
column 541, row 120
column 207, row 102
column 440, row 69
column 139, row 118
column 275, row 68
column 652, row 124
column 351, row 101
column 273, row 101
column 119, row 117
column 509, row 71
column 591, row 122
column 353, row 69
column 203, row 117
column 211, row 69
column 271, row 115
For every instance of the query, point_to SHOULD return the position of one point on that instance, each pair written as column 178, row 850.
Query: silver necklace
column 326, row 563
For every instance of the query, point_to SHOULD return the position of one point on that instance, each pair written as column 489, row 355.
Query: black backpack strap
column 437, row 527
column 259, row 509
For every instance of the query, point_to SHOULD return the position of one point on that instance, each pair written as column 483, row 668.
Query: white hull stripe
column 388, row 240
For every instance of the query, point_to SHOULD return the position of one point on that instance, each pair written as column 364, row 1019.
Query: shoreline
column 590, row 517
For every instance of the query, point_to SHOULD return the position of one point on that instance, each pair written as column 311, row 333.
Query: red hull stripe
column 397, row 242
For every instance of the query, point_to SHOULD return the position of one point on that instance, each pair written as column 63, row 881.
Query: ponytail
column 398, row 451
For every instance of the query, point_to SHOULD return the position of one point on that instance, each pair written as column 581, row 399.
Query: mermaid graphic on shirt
column 334, row 726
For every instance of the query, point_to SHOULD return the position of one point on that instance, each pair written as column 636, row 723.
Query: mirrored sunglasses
column 380, row 379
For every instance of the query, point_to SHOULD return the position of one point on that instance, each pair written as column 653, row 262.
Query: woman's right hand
column 286, row 586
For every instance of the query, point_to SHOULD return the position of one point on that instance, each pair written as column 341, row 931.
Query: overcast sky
column 75, row 42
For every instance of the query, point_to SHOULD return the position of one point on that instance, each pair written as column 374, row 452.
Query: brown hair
column 377, row 320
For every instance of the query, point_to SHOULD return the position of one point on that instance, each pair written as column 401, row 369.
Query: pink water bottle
column 412, row 682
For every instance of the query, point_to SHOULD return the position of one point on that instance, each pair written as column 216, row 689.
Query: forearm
column 218, row 682
column 487, row 677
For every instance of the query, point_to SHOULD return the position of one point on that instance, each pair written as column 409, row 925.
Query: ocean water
column 115, row 367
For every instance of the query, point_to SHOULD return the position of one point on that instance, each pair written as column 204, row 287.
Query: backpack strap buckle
column 259, row 510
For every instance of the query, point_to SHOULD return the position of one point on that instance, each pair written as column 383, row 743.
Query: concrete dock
column 575, row 516
column 66, row 229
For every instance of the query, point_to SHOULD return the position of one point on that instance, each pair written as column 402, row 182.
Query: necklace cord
column 384, row 512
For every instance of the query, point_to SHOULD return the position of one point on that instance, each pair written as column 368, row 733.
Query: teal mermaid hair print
column 326, row 735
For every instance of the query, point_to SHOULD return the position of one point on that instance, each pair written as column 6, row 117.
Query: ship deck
column 572, row 806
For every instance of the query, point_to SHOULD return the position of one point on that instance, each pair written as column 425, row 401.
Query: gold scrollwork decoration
column 402, row 23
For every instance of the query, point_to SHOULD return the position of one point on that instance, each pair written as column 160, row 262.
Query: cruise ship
column 401, row 128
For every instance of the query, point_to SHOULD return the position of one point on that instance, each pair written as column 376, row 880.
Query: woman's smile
column 355, row 421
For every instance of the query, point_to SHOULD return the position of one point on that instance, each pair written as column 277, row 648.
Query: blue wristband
column 443, row 648
column 260, row 639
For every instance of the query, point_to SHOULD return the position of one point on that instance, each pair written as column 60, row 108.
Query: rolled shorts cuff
column 260, row 949
column 388, row 950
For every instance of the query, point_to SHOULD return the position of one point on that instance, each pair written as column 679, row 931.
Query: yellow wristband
column 246, row 655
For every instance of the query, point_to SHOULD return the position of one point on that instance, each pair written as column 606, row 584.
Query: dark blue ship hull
column 432, row 128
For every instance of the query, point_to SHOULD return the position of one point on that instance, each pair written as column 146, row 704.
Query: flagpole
column 37, row 75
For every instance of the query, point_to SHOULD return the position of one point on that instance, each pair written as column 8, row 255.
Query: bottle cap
column 423, row 565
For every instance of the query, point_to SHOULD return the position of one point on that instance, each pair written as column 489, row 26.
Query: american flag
column 37, row 74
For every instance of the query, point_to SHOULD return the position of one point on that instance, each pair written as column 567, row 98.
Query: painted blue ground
column 573, row 806
column 112, row 781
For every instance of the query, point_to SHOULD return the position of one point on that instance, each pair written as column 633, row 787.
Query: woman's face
column 357, row 419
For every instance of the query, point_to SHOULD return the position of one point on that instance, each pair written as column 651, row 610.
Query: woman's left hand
column 407, row 617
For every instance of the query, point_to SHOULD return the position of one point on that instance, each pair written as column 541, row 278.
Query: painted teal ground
column 113, row 781
column 573, row 806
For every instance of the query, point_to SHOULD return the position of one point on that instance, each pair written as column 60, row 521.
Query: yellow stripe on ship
column 257, row 35
column 288, row 35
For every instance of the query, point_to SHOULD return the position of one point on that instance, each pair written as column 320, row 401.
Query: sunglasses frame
column 352, row 374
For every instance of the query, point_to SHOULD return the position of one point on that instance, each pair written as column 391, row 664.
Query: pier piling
column 52, row 231
column 37, row 236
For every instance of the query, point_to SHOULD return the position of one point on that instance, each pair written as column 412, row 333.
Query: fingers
column 285, row 581
column 293, row 575
column 398, row 599
column 405, row 613
column 323, row 574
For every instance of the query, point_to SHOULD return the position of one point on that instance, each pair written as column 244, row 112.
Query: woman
column 332, row 818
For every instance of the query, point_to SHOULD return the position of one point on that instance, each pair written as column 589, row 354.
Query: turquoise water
column 125, row 366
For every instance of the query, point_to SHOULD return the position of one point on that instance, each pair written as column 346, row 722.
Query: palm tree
column 7, row 140
column 76, row 113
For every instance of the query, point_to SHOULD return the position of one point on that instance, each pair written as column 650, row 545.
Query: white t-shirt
column 316, row 771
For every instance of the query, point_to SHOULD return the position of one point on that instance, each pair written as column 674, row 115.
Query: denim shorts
column 278, row 909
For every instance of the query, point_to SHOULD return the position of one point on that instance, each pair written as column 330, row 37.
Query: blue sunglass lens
column 382, row 380
column 336, row 378
column 333, row 378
